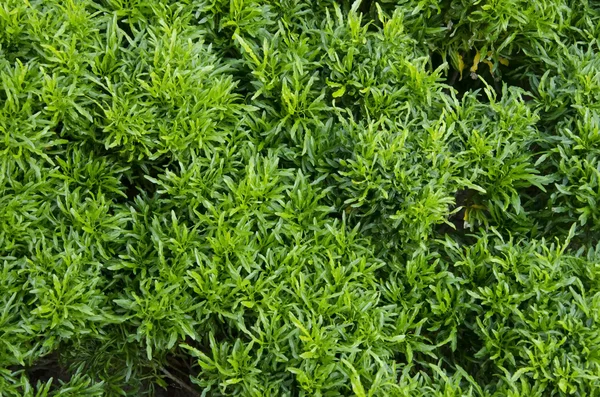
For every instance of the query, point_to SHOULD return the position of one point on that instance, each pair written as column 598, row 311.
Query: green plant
column 299, row 198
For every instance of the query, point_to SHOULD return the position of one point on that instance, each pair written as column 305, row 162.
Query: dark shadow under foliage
column 299, row 198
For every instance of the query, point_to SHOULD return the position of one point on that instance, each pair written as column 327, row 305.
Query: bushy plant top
column 299, row 198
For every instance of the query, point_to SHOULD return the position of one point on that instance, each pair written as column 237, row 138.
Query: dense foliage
column 300, row 198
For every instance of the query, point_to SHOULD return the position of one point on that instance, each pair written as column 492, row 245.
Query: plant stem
column 181, row 383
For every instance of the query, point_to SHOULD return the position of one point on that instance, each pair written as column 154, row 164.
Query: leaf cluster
column 299, row 198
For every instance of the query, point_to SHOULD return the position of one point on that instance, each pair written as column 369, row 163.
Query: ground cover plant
column 299, row 198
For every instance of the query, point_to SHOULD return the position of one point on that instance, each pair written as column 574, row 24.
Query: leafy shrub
column 299, row 198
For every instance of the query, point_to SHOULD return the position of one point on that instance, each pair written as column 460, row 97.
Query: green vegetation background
column 299, row 198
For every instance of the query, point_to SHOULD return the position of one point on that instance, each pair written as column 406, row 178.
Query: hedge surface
column 299, row 198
